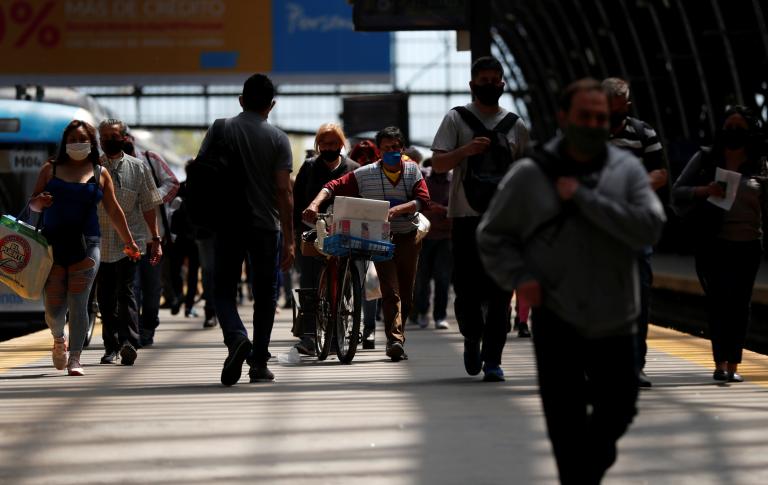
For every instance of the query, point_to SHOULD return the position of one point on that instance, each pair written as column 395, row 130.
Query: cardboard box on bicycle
column 364, row 229
column 356, row 208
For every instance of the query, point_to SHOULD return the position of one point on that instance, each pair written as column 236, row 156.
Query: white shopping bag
column 372, row 289
column 25, row 258
column 423, row 226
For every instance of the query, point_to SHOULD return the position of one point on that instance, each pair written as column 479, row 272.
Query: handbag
column 25, row 258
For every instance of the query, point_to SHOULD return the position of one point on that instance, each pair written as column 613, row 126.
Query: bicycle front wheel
column 348, row 313
column 323, row 317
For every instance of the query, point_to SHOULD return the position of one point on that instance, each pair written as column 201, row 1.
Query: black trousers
column 727, row 271
column 481, row 307
column 117, row 304
column 588, row 391
column 646, row 283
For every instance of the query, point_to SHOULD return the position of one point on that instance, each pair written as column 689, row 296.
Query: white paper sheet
column 731, row 179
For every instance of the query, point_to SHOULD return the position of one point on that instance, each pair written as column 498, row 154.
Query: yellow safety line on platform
column 754, row 366
column 24, row 350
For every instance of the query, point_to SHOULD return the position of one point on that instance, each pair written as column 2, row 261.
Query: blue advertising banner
column 315, row 41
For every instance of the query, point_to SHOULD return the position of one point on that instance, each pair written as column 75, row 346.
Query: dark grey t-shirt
column 264, row 150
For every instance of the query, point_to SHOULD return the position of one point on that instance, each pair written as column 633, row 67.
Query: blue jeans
column 435, row 263
column 261, row 247
column 147, row 287
column 68, row 288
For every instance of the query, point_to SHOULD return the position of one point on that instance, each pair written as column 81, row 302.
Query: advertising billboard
column 92, row 42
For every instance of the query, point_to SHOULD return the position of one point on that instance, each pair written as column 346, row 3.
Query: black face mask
column 488, row 94
column 128, row 148
column 586, row 140
column 617, row 119
column 330, row 156
column 112, row 147
column 734, row 139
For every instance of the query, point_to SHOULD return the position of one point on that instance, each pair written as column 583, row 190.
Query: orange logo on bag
column 15, row 253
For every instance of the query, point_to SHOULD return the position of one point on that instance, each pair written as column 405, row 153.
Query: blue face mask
column 391, row 160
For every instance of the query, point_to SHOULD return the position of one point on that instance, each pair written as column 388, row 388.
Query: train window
column 9, row 125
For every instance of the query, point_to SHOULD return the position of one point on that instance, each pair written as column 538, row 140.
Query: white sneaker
column 59, row 352
column 442, row 325
column 423, row 321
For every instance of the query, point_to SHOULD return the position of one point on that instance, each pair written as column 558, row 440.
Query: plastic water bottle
column 322, row 233
column 289, row 358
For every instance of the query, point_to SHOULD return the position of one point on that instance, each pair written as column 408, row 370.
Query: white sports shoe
column 442, row 325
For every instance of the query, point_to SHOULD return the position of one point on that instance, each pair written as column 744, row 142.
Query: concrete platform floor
column 424, row 421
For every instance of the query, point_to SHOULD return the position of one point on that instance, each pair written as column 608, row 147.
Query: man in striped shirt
column 397, row 180
column 641, row 139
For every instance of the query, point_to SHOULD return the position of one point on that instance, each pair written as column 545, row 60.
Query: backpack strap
column 471, row 120
column 506, row 123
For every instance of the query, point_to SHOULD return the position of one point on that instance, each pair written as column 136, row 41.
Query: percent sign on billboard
column 34, row 23
column 132, row 41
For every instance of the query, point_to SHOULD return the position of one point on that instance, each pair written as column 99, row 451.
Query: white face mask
column 78, row 151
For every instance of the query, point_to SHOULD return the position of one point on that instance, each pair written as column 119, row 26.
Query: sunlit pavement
column 422, row 421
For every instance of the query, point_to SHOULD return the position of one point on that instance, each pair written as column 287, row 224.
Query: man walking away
column 259, row 164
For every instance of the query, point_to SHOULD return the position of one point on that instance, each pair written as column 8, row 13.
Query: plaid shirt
column 136, row 193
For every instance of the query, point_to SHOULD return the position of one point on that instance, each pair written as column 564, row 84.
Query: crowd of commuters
column 507, row 218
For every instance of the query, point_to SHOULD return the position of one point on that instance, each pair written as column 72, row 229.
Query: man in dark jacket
column 563, row 231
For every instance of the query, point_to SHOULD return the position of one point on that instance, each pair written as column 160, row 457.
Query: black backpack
column 215, row 189
column 485, row 170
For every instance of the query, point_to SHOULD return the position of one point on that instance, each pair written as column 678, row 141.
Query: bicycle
column 339, row 293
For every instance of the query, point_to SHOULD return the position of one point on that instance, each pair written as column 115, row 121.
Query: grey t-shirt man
column 454, row 133
column 264, row 149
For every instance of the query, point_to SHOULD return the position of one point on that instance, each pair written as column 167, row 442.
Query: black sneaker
column 523, row 331
column 396, row 352
column 261, row 374
column 642, row 380
column 306, row 346
column 109, row 357
column 233, row 364
column 369, row 338
column 176, row 307
column 210, row 322
column 128, row 354
column 473, row 364
column 720, row 375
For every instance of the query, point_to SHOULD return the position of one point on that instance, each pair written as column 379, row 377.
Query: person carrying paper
column 721, row 192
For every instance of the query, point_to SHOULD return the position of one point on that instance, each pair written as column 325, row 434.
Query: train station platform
column 677, row 273
column 422, row 421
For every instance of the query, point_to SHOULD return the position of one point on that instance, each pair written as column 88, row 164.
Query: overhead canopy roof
column 686, row 60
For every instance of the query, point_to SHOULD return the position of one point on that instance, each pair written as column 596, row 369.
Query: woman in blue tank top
column 67, row 191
